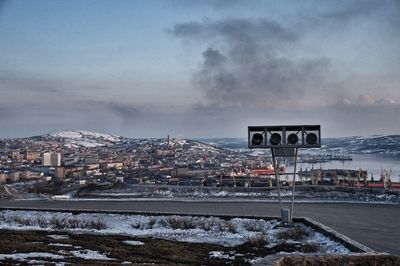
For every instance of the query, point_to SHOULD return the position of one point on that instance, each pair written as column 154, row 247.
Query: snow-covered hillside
column 182, row 145
column 375, row 144
column 81, row 138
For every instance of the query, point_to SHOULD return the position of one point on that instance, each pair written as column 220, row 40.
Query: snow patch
column 24, row 256
column 134, row 243
column 88, row 254
column 254, row 261
column 58, row 237
column 59, row 245
column 220, row 255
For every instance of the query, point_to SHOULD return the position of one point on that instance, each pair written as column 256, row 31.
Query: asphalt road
column 373, row 225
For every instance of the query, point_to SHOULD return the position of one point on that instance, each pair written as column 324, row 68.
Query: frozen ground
column 229, row 240
column 197, row 229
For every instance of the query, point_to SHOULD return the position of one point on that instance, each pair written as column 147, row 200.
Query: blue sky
column 199, row 69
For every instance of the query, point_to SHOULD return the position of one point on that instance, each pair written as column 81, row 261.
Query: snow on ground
column 24, row 256
column 220, row 255
column 67, row 134
column 130, row 194
column 198, row 193
column 88, row 254
column 134, row 243
column 81, row 134
column 58, row 237
column 254, row 261
column 198, row 229
column 229, row 194
column 328, row 245
column 60, row 245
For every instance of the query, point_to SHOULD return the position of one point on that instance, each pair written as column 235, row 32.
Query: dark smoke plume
column 249, row 62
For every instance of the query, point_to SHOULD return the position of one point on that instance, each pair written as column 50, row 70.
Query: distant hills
column 88, row 139
column 375, row 144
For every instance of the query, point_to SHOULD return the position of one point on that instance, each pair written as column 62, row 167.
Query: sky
column 199, row 69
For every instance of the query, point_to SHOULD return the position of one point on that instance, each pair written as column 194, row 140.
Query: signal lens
column 293, row 139
column 257, row 139
column 311, row 139
column 275, row 139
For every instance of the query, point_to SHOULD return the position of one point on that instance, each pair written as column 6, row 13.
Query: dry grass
column 179, row 222
column 257, row 241
column 231, row 227
column 253, row 227
column 97, row 224
column 185, row 223
column 296, row 233
column 151, row 223
column 55, row 222
column 136, row 225
column 205, row 224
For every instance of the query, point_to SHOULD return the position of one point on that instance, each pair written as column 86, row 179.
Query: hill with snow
column 81, row 138
column 88, row 139
column 375, row 144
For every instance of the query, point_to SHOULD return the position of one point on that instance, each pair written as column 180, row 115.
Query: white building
column 51, row 159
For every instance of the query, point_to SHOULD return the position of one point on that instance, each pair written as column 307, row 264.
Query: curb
column 349, row 243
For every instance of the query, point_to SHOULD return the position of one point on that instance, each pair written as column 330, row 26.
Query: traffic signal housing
column 291, row 136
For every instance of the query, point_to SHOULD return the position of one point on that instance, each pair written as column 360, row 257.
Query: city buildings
column 51, row 159
column 62, row 162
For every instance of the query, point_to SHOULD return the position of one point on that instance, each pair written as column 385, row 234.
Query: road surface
column 373, row 225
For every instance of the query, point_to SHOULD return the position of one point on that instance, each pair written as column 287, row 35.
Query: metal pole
column 294, row 183
column 277, row 179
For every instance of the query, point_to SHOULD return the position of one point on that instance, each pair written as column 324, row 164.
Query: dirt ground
column 153, row 251
column 165, row 252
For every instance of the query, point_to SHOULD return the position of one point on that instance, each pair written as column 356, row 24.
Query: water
column 372, row 163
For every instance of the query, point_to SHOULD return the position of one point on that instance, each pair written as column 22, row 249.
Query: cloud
column 238, row 30
column 125, row 111
column 248, row 62
column 18, row 82
column 366, row 100
column 5, row 110
column 216, row 4
column 344, row 11
column 361, row 119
